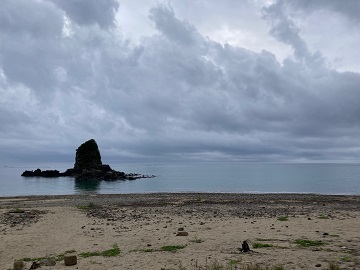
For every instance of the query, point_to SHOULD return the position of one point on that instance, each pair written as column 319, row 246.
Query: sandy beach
column 295, row 231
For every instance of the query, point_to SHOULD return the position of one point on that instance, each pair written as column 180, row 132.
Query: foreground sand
column 216, row 223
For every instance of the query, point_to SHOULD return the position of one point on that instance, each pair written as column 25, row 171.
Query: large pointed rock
column 88, row 156
column 88, row 166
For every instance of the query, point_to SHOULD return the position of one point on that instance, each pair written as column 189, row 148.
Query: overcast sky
column 249, row 80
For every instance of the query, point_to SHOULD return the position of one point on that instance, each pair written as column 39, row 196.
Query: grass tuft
column 334, row 266
column 196, row 240
column 261, row 245
column 172, row 248
column 283, row 218
column 88, row 206
column 309, row 243
column 115, row 251
column 259, row 267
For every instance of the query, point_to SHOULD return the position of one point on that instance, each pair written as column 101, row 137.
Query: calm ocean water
column 195, row 177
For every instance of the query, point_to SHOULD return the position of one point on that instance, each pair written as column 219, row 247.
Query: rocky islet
column 88, row 166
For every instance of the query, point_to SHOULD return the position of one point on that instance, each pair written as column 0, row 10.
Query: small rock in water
column 318, row 265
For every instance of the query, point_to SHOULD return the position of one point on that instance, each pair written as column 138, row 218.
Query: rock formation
column 88, row 166
column 88, row 156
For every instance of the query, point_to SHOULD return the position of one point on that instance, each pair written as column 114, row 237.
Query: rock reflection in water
column 87, row 185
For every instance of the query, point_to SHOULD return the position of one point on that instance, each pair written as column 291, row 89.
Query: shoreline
column 166, row 197
column 215, row 223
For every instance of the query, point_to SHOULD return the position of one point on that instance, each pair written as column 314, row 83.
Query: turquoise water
column 195, row 177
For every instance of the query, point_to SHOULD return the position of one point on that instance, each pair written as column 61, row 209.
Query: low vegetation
column 196, row 240
column 172, row 248
column 88, row 206
column 261, row 245
column 283, row 218
column 309, row 243
column 115, row 251
column 322, row 216
column 58, row 258
column 334, row 266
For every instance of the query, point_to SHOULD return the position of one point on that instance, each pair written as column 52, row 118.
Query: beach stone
column 50, row 262
column 70, row 259
column 181, row 229
column 182, row 233
column 18, row 265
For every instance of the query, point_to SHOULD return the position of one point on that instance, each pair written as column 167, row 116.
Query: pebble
column 182, row 233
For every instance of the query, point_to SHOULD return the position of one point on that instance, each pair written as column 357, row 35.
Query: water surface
column 194, row 177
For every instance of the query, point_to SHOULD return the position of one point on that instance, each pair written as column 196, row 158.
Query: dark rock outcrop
column 88, row 156
column 88, row 166
column 40, row 173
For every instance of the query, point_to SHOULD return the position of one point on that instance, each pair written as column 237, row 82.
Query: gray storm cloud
column 67, row 75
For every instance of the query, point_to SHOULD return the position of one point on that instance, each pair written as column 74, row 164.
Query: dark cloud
column 86, row 12
column 349, row 9
column 175, row 95
column 27, row 18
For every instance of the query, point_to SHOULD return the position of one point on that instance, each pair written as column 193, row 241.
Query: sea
column 208, row 177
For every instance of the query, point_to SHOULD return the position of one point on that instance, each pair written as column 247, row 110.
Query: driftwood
column 245, row 247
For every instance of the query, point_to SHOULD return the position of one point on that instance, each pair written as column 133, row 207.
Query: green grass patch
column 334, row 266
column 265, row 239
column 232, row 263
column 58, row 258
column 27, row 259
column 172, row 248
column 346, row 259
column 115, row 251
column 260, row 267
column 322, row 216
column 88, row 206
column 143, row 250
column 261, row 245
column 309, row 243
column 283, row 218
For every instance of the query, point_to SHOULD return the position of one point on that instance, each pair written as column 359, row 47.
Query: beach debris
column 18, row 265
column 48, row 261
column 70, row 259
column 35, row 265
column 182, row 233
column 245, row 247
